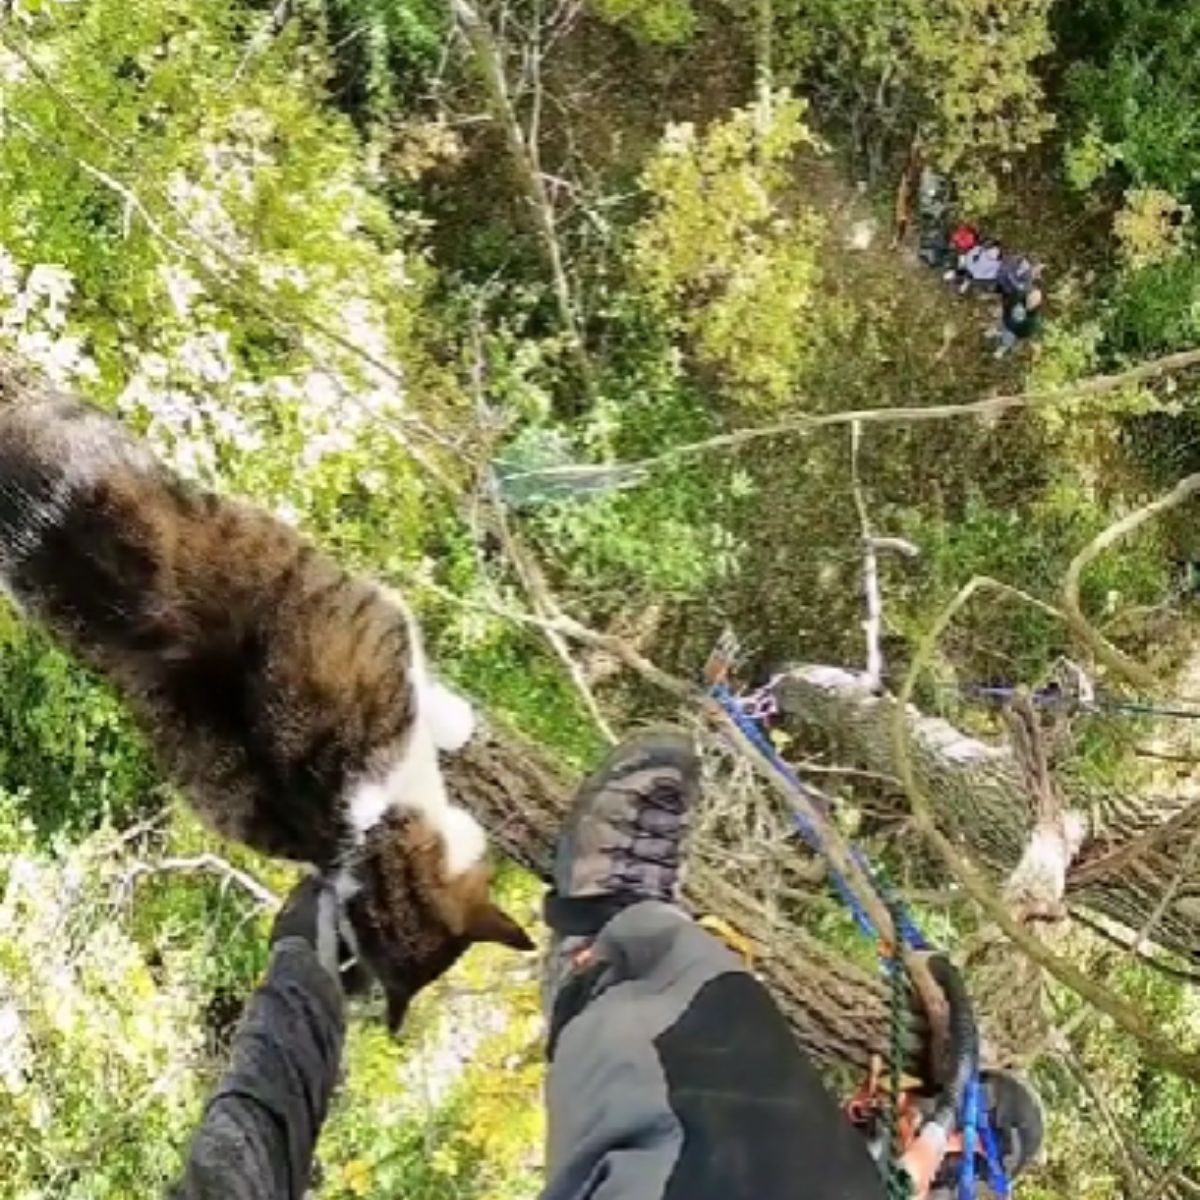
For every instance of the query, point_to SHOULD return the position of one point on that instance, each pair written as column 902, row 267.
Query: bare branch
column 245, row 282
column 1100, row 646
column 873, row 622
column 545, row 605
column 1125, row 855
column 1179, row 974
column 803, row 424
column 839, row 856
column 208, row 863
column 1126, row 1161
column 272, row 27
column 1142, row 941
column 524, row 150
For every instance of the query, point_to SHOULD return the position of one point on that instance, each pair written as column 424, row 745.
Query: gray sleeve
column 260, row 1127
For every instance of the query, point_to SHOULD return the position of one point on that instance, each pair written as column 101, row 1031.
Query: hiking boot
column 621, row 843
column 623, row 838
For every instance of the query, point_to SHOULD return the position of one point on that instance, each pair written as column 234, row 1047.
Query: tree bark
column 837, row 1009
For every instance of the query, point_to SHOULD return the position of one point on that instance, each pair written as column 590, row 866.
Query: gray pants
column 672, row 1077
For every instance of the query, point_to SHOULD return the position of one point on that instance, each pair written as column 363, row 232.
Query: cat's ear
column 488, row 923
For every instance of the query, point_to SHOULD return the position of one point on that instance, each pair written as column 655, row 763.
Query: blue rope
column 997, row 1176
column 726, row 699
column 968, row 1120
column 906, row 929
column 1050, row 697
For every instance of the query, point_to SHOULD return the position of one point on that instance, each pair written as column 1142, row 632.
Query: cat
column 288, row 698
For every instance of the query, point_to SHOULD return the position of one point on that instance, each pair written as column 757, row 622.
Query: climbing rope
column 748, row 712
column 1052, row 696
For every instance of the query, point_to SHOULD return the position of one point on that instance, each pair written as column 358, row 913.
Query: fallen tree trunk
column 1132, row 866
column 838, row 1010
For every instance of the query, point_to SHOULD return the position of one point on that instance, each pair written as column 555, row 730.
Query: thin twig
column 545, row 605
column 1142, row 941
column 839, row 856
column 1115, row 862
column 1179, row 974
column 1126, row 1161
column 272, row 27
column 523, row 147
column 815, row 768
column 211, row 864
column 1100, row 646
column 873, row 621
column 1189, row 1145
column 246, row 284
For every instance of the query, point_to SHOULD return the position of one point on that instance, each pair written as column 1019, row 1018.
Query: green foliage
column 1030, row 548
column 1088, row 157
column 265, row 311
column 98, row 1047
column 961, row 75
column 727, row 256
column 1132, row 92
column 661, row 22
column 974, row 67
column 1156, row 309
column 66, row 745
column 383, row 51
column 1151, row 227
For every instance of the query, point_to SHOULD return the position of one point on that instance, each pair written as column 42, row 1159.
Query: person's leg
column 673, row 1076
column 1008, row 340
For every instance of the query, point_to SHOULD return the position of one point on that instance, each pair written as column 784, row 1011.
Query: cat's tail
column 54, row 453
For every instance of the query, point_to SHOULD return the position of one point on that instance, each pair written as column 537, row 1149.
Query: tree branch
column 873, row 622
column 1125, row 1159
column 525, row 154
column 838, row 1011
column 545, row 605
column 798, row 426
column 245, row 284
column 1100, row 646
column 209, row 863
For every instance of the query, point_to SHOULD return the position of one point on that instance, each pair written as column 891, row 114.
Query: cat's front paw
column 450, row 718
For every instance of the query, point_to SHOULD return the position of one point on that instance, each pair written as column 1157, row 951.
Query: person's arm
column 260, row 1128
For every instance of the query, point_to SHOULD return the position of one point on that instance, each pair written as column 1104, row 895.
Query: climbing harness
column 892, row 1111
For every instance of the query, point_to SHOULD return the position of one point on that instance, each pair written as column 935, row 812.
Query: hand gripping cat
column 289, row 699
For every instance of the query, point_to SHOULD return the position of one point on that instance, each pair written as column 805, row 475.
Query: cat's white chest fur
column 445, row 721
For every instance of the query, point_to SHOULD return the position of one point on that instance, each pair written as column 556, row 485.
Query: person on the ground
column 672, row 1074
column 963, row 239
column 979, row 267
column 1020, row 319
column 1016, row 276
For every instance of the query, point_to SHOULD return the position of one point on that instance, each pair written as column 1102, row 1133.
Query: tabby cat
column 289, row 699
